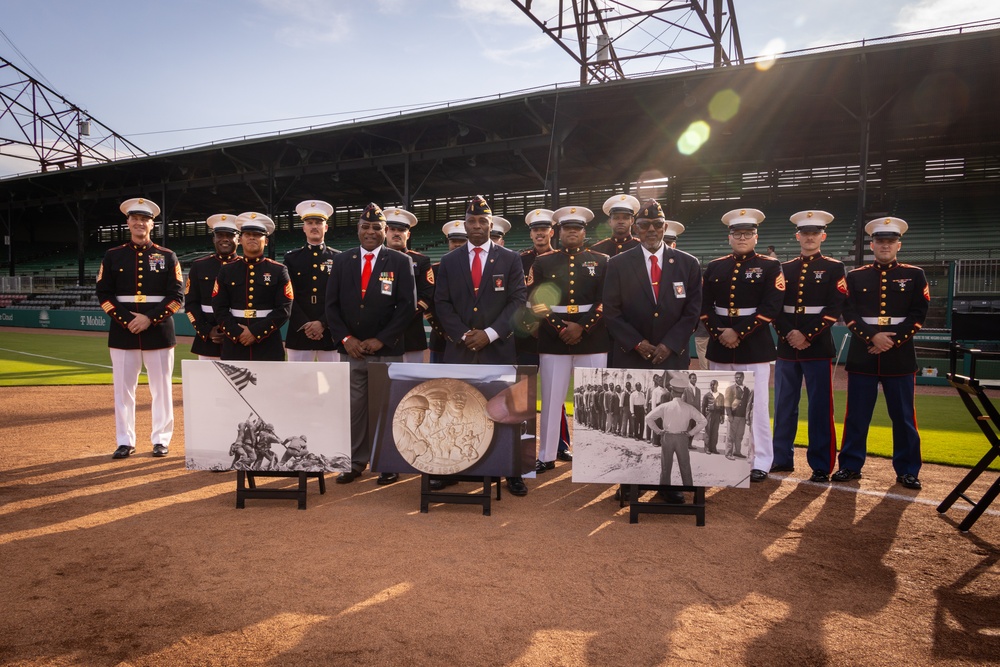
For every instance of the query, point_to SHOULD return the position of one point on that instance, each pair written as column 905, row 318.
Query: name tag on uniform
column 498, row 285
column 680, row 291
column 385, row 280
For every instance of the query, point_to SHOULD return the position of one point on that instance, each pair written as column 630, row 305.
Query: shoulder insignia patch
column 842, row 285
column 779, row 281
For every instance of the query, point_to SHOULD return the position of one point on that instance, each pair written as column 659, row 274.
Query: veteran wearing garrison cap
column 140, row 287
column 369, row 302
column 207, row 343
column 621, row 210
column 253, row 296
column 566, row 295
column 743, row 294
column 308, row 337
column 652, row 297
column 886, row 306
column 480, row 287
column 399, row 222
column 815, row 289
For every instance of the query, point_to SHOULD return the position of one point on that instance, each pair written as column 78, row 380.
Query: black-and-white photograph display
column 452, row 419
column 266, row 415
column 689, row 428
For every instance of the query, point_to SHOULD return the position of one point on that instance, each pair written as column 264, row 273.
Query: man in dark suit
column 398, row 222
column 308, row 337
column 207, row 343
column 140, row 288
column 369, row 302
column 652, row 297
column 480, row 287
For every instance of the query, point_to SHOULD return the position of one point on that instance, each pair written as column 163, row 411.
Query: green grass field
column 948, row 434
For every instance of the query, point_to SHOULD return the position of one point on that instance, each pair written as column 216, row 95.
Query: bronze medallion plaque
column 441, row 427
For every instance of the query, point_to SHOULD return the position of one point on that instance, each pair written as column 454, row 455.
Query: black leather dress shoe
column 845, row 475
column 671, row 497
column 516, row 486
column 819, row 476
column 348, row 477
column 909, row 481
column 542, row 466
column 757, row 475
column 160, row 450
column 123, row 452
column 387, row 478
column 564, row 455
column 782, row 468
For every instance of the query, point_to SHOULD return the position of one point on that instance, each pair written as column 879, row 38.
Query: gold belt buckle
column 140, row 298
column 249, row 314
column 800, row 310
column 883, row 321
column 734, row 312
column 572, row 310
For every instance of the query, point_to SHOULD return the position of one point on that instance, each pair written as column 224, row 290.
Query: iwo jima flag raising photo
column 266, row 416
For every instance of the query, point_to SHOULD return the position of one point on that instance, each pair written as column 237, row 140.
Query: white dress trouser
column 312, row 355
column 125, row 367
column 557, row 372
column 761, row 445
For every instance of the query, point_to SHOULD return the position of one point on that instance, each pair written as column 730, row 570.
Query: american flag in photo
column 240, row 377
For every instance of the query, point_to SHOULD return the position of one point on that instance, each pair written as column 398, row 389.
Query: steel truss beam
column 608, row 37
column 39, row 125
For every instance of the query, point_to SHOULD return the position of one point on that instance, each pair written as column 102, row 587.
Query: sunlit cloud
column 724, row 105
column 694, row 137
column 493, row 11
column 303, row 22
column 926, row 14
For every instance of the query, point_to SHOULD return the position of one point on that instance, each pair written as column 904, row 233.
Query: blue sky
column 154, row 71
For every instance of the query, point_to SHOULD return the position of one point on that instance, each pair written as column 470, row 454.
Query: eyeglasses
column 370, row 226
column 743, row 235
column 644, row 225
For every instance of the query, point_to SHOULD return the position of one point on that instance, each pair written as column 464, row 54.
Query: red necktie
column 654, row 275
column 366, row 273
column 477, row 269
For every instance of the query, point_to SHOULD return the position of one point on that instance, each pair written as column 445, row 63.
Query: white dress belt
column 882, row 321
column 139, row 298
column 249, row 314
column 207, row 308
column 807, row 310
column 734, row 312
column 572, row 309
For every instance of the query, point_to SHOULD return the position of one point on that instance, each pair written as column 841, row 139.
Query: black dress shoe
column 671, row 497
column 564, row 455
column 782, row 468
column 160, row 450
column 348, row 477
column 845, row 475
column 542, row 466
column 819, row 476
column 516, row 486
column 387, row 478
column 123, row 452
column 909, row 481
column 757, row 475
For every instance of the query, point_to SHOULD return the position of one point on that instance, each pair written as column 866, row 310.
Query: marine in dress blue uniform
column 567, row 286
column 886, row 306
column 399, row 222
column 140, row 287
column 253, row 295
column 308, row 337
column 621, row 210
column 207, row 343
column 814, row 297
column 743, row 294
column 454, row 231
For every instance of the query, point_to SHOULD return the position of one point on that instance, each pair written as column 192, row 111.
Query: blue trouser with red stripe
column 862, row 392
column 822, row 444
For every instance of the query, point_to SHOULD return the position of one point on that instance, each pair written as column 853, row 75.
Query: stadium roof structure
column 792, row 124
